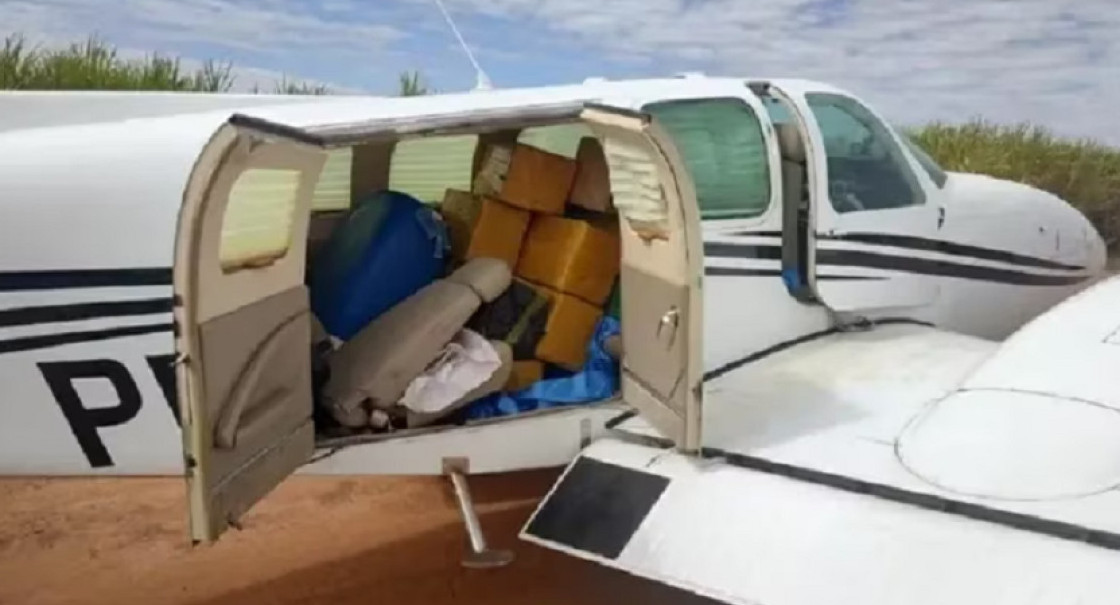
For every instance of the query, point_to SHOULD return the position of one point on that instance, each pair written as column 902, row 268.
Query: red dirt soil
column 313, row 540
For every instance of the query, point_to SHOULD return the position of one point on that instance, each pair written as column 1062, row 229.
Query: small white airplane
column 848, row 376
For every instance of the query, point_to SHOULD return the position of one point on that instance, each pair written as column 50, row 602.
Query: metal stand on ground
column 480, row 556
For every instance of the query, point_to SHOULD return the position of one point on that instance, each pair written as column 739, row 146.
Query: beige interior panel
column 369, row 171
column 653, row 310
column 244, row 376
column 232, row 499
column 224, row 291
column 258, row 378
column 660, row 276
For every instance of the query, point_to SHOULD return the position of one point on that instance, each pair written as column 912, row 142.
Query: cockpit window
column 867, row 170
column 935, row 172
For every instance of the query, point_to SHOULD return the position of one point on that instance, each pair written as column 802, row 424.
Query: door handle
column 670, row 318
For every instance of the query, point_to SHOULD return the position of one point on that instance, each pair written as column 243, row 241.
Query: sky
column 1050, row 62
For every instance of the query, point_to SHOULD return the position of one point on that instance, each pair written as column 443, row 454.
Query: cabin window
column 561, row 139
column 426, row 167
column 332, row 192
column 257, row 224
column 722, row 145
column 867, row 169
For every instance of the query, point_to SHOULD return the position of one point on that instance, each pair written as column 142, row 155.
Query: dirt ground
column 313, row 540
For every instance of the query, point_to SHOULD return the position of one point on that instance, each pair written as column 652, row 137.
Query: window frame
column 575, row 125
column 937, row 174
column 268, row 256
column 895, row 149
column 765, row 130
column 317, row 205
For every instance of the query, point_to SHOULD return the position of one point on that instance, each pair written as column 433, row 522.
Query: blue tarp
column 597, row 380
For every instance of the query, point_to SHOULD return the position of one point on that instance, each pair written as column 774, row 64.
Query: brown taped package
column 592, row 186
column 577, row 257
column 539, row 323
column 523, row 374
column 568, row 331
column 526, row 177
column 492, row 171
column 481, row 226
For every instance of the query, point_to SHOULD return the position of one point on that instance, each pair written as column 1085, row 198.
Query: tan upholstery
column 790, row 143
column 794, row 184
column 492, row 385
column 373, row 369
column 488, row 279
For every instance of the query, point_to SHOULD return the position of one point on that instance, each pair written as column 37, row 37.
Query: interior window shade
column 722, row 145
column 257, row 225
column 561, row 139
column 332, row 192
column 426, row 168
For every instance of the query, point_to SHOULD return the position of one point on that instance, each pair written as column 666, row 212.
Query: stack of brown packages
column 520, row 210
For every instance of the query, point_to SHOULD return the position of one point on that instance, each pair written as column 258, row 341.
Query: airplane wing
column 898, row 465
column 745, row 531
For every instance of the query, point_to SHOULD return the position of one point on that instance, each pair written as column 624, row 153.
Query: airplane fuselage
column 89, row 222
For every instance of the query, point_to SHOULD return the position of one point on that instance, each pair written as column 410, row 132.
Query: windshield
column 936, row 173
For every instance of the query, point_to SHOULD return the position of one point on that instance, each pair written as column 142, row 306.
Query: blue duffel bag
column 390, row 246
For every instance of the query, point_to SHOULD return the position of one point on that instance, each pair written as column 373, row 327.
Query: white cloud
column 1009, row 60
column 279, row 30
column 1050, row 62
column 263, row 25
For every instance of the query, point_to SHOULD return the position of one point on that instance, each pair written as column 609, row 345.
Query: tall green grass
column 1082, row 171
column 94, row 64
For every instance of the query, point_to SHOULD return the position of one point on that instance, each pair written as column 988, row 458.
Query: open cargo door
column 243, row 319
column 661, row 272
column 243, row 322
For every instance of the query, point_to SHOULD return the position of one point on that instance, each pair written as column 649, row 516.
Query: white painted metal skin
column 1028, row 427
column 946, row 412
column 104, row 195
column 754, row 538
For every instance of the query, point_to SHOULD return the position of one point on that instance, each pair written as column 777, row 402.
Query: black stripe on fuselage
column 913, row 242
column 943, row 268
column 23, row 316
column 29, row 343
column 16, row 281
column 891, row 262
column 950, row 248
column 978, row 512
column 71, row 279
column 749, row 272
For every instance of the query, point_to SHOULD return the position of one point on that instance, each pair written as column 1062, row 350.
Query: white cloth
column 465, row 363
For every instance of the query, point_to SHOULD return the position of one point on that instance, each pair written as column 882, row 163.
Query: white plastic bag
column 465, row 363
